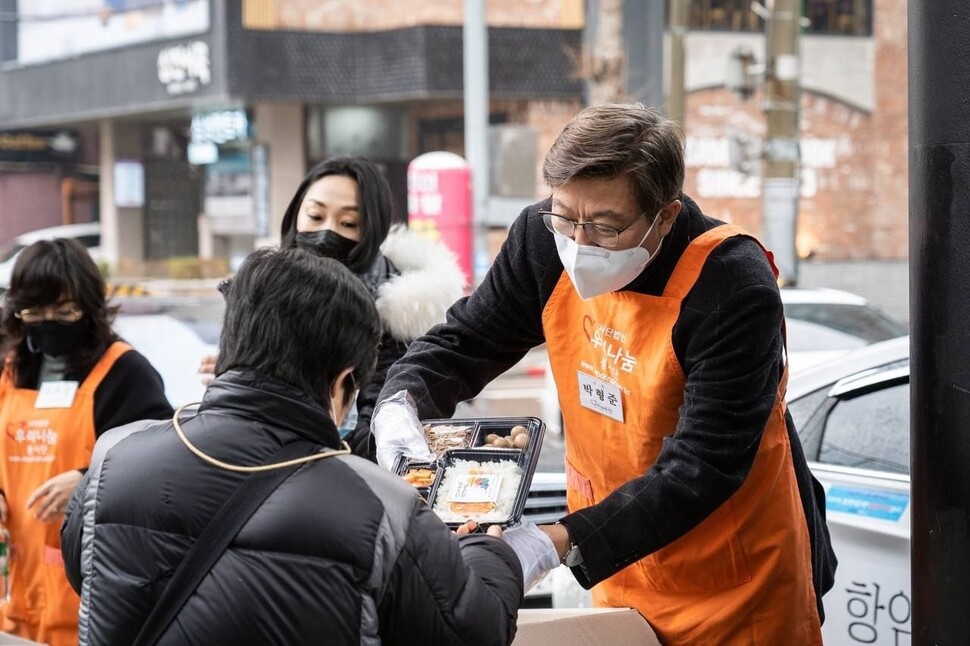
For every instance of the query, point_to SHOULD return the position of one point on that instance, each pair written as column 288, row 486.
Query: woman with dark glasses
column 66, row 379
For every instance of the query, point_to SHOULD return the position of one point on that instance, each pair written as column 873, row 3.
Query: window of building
column 724, row 15
column 830, row 17
column 8, row 30
column 448, row 133
column 839, row 17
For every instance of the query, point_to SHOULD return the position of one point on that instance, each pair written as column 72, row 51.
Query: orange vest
column 744, row 574
column 39, row 444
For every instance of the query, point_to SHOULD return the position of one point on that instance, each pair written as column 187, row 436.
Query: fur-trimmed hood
column 414, row 301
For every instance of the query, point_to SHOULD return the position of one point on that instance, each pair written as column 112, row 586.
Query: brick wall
column 854, row 192
column 890, row 141
column 837, row 191
column 377, row 15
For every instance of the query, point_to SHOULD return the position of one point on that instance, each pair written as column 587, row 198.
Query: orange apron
column 744, row 574
column 38, row 445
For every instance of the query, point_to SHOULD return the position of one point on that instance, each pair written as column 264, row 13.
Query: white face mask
column 340, row 418
column 597, row 270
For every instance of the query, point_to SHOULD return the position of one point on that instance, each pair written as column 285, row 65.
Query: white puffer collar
column 430, row 281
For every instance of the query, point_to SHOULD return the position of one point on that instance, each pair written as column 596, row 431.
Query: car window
column 154, row 336
column 808, row 413
column 860, row 321
column 89, row 241
column 870, row 431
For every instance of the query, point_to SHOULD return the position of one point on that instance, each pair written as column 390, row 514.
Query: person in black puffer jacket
column 342, row 552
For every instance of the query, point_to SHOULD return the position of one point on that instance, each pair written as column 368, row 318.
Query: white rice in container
column 511, row 476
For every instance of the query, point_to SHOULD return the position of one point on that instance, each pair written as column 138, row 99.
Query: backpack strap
column 216, row 537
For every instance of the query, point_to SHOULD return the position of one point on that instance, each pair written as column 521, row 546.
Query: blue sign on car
column 866, row 502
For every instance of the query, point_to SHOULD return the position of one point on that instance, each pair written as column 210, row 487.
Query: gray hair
column 621, row 139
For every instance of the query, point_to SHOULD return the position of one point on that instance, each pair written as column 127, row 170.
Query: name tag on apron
column 56, row 394
column 600, row 397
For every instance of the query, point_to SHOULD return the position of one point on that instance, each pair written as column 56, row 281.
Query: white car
column 823, row 324
column 88, row 234
column 853, row 417
column 173, row 348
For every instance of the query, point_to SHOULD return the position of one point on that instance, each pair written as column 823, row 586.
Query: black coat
column 341, row 553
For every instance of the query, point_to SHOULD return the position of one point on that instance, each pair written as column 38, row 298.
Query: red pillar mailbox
column 440, row 202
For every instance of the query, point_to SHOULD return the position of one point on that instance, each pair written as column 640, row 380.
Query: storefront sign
column 228, row 189
column 219, row 127
column 129, row 184
column 48, row 30
column 261, row 204
column 440, row 202
column 39, row 146
column 202, row 154
column 183, row 69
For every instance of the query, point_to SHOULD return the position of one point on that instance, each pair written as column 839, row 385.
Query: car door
column 856, row 436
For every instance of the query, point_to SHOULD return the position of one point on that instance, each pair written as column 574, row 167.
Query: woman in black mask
column 343, row 210
column 66, row 379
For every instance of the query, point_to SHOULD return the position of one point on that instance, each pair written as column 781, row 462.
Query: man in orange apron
column 689, row 496
column 39, row 444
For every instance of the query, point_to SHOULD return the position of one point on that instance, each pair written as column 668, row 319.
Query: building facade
column 199, row 117
column 195, row 119
column 854, row 149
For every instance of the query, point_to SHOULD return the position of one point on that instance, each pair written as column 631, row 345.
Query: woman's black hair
column 375, row 207
column 47, row 272
column 301, row 319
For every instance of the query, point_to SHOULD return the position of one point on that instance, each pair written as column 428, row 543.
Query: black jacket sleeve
column 728, row 340
column 486, row 333
column 132, row 390
column 360, row 439
column 450, row 590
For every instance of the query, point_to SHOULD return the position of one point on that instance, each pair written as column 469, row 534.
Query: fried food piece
column 471, row 508
column 420, row 477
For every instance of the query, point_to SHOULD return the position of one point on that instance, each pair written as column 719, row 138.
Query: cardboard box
column 6, row 639
column 584, row 627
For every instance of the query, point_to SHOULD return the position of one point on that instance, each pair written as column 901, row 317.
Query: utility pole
column 678, row 31
column 939, row 239
column 644, row 29
column 475, row 68
column 606, row 74
column 781, row 150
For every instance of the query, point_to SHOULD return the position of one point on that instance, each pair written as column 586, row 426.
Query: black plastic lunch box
column 526, row 458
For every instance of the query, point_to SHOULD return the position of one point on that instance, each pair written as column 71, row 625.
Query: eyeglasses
column 602, row 235
column 65, row 315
